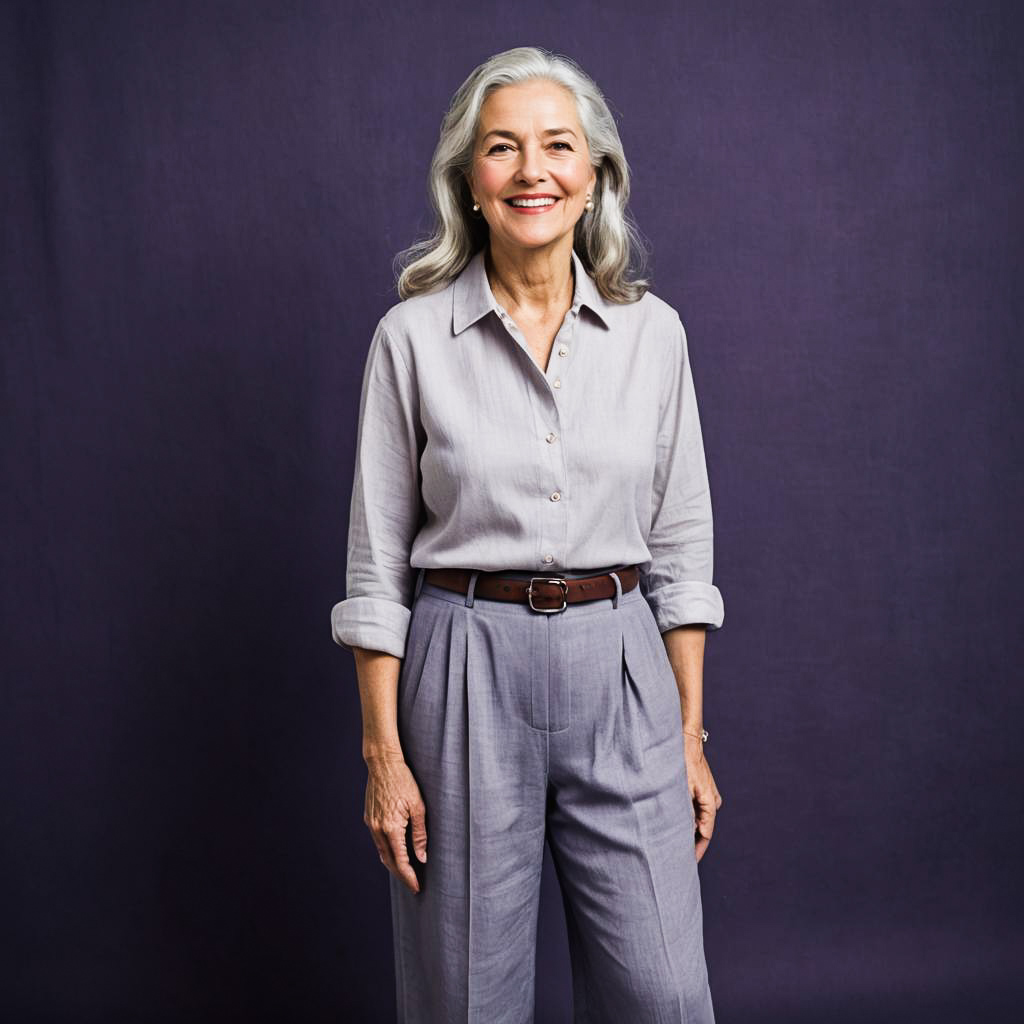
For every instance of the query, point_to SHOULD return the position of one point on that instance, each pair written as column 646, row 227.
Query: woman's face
column 529, row 142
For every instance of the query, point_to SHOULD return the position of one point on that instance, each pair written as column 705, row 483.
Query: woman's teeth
column 532, row 202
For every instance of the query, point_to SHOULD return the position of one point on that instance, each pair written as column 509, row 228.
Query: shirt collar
column 472, row 297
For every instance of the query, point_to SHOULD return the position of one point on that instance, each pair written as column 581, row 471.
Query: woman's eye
column 504, row 145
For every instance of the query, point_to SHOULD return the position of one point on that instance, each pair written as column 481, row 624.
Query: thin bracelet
column 703, row 737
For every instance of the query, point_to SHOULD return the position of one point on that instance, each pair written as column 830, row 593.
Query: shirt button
column 557, row 382
column 550, row 439
column 556, row 496
column 549, row 558
column 562, row 350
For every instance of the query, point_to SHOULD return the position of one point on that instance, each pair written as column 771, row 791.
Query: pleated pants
column 521, row 727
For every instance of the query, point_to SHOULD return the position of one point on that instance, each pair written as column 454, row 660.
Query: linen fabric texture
column 524, row 728
column 470, row 455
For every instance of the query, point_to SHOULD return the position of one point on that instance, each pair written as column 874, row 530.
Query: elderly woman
column 529, row 577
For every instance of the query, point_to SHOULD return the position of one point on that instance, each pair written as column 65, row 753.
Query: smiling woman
column 530, row 577
column 536, row 117
column 545, row 142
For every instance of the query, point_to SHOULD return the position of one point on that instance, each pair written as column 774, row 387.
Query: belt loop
column 419, row 583
column 618, row 589
column 472, row 588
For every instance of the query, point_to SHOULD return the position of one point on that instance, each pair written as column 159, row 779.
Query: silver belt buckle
column 548, row 579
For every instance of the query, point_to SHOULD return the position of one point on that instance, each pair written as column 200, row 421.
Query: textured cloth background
column 199, row 208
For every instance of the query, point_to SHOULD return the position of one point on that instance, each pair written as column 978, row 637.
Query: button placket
column 563, row 346
column 553, row 519
column 554, row 537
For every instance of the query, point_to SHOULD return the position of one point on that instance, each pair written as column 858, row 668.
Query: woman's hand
column 392, row 798
column 704, row 792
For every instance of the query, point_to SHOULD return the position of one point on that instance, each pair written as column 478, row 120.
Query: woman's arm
column 393, row 796
column 378, row 674
column 386, row 506
column 685, row 647
column 678, row 580
column 373, row 620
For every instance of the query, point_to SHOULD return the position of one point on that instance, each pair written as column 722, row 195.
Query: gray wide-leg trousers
column 520, row 726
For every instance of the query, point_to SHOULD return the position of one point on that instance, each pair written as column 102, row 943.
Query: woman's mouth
column 532, row 206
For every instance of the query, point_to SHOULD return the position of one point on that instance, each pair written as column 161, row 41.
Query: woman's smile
column 532, row 205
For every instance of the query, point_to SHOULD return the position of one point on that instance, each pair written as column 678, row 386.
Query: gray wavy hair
column 605, row 239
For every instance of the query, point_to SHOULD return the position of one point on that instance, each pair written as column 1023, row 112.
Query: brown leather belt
column 541, row 593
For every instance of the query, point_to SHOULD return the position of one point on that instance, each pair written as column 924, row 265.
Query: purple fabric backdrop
column 200, row 209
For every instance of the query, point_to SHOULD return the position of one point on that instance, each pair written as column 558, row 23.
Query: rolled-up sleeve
column 677, row 579
column 385, row 512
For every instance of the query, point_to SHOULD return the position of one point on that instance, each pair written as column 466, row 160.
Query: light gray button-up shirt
column 469, row 455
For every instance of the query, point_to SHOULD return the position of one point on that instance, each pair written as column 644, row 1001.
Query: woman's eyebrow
column 505, row 134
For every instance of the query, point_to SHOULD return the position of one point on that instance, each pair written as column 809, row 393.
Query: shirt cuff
column 692, row 601
column 371, row 622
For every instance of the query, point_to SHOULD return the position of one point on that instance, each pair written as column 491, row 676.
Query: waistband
column 545, row 593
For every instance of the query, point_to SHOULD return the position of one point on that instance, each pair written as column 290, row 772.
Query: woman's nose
column 530, row 163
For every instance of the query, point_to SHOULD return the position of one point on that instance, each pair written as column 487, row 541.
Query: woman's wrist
column 382, row 750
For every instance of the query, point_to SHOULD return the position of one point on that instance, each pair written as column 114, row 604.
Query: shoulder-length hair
column 605, row 238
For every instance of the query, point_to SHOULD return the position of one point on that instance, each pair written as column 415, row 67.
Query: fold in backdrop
column 199, row 210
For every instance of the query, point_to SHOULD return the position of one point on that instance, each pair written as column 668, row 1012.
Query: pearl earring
column 589, row 205
column 476, row 206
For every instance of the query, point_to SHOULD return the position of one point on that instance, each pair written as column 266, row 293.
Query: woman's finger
column 704, row 819
column 384, row 851
column 403, row 869
column 419, row 830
